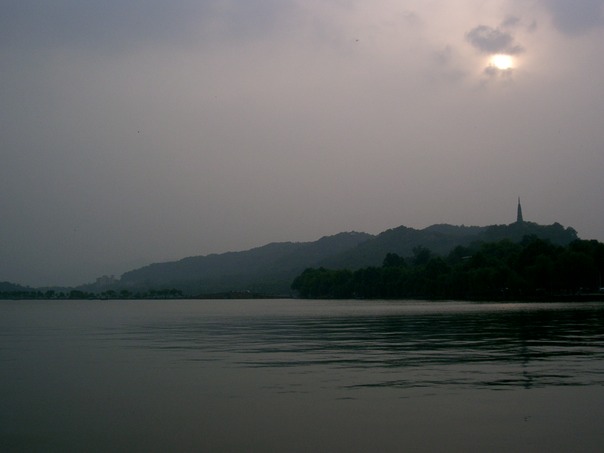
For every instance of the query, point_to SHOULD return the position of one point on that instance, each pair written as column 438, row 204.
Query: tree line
column 32, row 294
column 533, row 268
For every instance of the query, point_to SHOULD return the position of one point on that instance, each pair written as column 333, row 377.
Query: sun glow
column 502, row 62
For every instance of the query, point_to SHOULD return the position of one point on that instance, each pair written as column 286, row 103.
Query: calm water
column 289, row 375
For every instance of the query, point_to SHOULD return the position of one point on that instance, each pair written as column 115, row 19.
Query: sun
column 501, row 61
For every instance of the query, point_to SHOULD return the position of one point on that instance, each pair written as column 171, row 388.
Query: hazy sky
column 139, row 131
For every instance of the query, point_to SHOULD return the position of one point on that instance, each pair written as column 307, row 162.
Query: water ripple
column 492, row 346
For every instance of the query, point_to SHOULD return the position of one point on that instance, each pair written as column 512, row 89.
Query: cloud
column 510, row 22
column 491, row 72
column 492, row 40
column 411, row 18
column 576, row 17
column 446, row 65
column 118, row 26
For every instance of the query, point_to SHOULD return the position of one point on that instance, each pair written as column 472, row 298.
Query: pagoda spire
column 519, row 214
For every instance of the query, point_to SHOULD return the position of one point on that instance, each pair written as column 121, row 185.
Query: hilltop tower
column 519, row 214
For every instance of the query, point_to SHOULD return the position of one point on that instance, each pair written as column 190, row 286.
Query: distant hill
column 270, row 269
column 7, row 287
column 441, row 239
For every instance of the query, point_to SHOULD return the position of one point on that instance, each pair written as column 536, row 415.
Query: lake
column 301, row 376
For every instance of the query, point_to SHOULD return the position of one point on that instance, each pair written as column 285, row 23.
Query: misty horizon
column 113, row 278
column 139, row 132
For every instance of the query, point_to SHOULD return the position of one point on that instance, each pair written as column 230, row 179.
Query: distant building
column 519, row 214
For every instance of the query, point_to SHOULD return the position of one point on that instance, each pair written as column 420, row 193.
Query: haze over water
column 291, row 375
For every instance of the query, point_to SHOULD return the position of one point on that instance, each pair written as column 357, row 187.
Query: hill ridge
column 270, row 268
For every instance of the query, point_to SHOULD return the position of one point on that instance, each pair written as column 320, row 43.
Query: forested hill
column 270, row 269
column 7, row 287
column 532, row 269
column 441, row 239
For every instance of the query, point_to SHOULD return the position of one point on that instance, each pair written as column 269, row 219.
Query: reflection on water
column 406, row 345
column 289, row 375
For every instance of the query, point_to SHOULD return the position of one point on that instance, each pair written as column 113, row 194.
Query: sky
column 134, row 132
